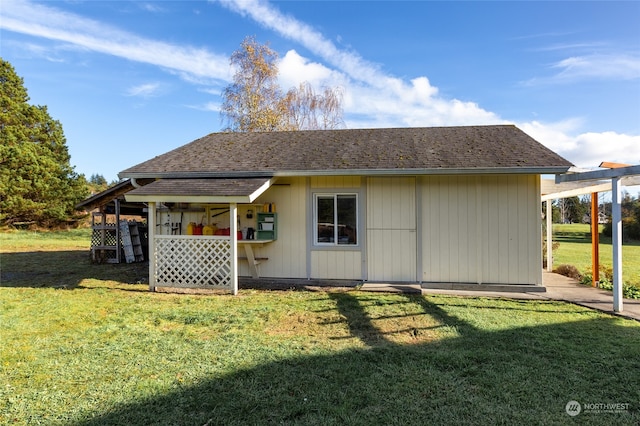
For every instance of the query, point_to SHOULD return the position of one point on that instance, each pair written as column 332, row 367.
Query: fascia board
column 201, row 199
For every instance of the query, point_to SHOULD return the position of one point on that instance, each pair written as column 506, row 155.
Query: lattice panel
column 192, row 262
column 109, row 237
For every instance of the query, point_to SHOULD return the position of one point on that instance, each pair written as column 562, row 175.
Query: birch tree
column 254, row 102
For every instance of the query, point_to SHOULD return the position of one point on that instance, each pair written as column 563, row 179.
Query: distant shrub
column 630, row 291
column 568, row 271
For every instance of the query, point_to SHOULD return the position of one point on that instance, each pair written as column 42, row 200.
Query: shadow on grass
column 516, row 376
column 64, row 269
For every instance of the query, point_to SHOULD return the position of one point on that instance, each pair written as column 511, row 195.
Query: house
column 430, row 205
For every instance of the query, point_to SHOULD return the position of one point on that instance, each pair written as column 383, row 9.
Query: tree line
column 578, row 210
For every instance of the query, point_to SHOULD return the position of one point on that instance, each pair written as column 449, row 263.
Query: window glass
column 336, row 219
column 347, row 219
column 325, row 219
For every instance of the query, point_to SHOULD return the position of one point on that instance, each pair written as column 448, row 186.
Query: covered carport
column 612, row 177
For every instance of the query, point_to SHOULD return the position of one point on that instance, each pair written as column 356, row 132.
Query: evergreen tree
column 37, row 183
column 98, row 180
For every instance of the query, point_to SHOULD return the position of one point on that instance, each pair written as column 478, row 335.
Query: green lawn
column 575, row 249
column 92, row 347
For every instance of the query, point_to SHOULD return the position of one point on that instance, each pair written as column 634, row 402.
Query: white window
column 335, row 219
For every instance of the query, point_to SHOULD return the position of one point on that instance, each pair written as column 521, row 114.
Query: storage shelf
column 267, row 226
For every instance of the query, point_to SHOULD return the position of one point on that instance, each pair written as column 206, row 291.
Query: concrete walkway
column 558, row 287
column 567, row 289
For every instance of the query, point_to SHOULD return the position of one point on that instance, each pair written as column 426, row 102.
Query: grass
column 89, row 348
column 575, row 249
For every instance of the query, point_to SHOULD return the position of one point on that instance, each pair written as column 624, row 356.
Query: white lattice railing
column 194, row 262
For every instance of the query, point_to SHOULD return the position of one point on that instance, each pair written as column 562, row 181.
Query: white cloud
column 294, row 69
column 144, row 90
column 602, row 67
column 209, row 107
column 151, row 7
column 43, row 21
column 585, row 149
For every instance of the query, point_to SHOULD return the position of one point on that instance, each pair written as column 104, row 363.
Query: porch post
column 233, row 229
column 151, row 235
column 617, row 243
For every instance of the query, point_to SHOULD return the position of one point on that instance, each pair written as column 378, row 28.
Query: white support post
column 616, row 213
column 118, row 243
column 233, row 229
column 549, row 236
column 151, row 235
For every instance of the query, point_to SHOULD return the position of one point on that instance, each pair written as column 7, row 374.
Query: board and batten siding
column 481, row 229
column 336, row 262
column 287, row 255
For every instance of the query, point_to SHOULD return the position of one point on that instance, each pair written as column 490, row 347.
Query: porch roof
column 223, row 190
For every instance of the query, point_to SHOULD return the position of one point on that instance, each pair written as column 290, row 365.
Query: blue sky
column 131, row 80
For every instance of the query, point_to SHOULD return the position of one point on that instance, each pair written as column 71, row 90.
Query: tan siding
column 507, row 243
column 335, row 182
column 287, row 258
column 334, row 264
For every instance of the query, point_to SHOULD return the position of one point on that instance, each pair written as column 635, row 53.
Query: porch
column 198, row 256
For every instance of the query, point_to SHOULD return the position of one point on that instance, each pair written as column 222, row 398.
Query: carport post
column 616, row 212
column 595, row 241
column 549, row 237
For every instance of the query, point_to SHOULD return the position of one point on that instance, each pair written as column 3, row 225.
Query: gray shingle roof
column 202, row 187
column 468, row 149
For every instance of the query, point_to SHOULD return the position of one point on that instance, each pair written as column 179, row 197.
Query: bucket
column 209, row 230
column 190, row 228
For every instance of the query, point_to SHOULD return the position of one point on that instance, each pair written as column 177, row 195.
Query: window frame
column 335, row 196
